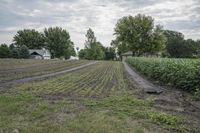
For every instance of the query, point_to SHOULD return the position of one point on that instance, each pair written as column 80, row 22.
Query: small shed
column 126, row 55
column 40, row 53
column 73, row 58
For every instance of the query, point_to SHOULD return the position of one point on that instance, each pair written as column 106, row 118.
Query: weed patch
column 127, row 106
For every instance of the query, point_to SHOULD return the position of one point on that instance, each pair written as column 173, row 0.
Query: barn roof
column 38, row 51
column 127, row 53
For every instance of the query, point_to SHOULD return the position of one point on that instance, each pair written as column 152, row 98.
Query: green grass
column 127, row 106
column 28, row 113
column 102, row 122
column 113, row 114
column 94, row 99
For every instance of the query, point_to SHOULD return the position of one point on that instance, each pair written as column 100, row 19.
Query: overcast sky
column 76, row 16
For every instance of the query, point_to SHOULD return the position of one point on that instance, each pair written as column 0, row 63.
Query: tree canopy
column 178, row 47
column 139, row 35
column 109, row 53
column 13, row 52
column 30, row 38
column 93, row 49
column 58, row 41
column 90, row 39
column 70, row 51
column 82, row 54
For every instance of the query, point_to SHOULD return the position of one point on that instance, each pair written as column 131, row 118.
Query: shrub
column 4, row 51
column 23, row 52
column 14, row 53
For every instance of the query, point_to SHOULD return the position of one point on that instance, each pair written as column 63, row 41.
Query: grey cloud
column 180, row 25
column 78, row 15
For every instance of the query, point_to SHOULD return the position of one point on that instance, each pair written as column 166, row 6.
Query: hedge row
column 179, row 73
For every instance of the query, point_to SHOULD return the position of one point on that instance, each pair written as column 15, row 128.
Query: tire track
column 143, row 83
column 41, row 77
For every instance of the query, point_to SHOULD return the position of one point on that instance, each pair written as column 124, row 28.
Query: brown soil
column 179, row 103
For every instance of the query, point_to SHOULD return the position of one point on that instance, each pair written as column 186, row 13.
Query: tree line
column 14, row 52
column 55, row 39
column 137, row 33
column 58, row 42
column 179, row 47
column 140, row 35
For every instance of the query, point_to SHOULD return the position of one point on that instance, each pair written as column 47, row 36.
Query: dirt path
column 143, row 83
column 18, row 81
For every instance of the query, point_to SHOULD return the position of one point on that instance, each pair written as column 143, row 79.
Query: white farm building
column 39, row 53
column 126, row 55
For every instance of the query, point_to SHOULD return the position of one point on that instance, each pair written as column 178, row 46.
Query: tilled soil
column 11, row 71
column 18, row 81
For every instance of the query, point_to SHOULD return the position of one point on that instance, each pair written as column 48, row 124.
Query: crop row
column 13, row 69
column 99, row 80
column 179, row 73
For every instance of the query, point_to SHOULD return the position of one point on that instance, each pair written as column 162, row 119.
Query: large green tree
column 158, row 41
column 30, row 38
column 109, row 53
column 82, row 54
column 139, row 35
column 197, row 48
column 58, row 42
column 97, row 51
column 120, row 46
column 194, row 47
column 70, row 51
column 90, row 38
column 177, row 46
column 93, row 49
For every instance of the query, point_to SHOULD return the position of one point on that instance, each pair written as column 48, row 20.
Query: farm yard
column 101, row 97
